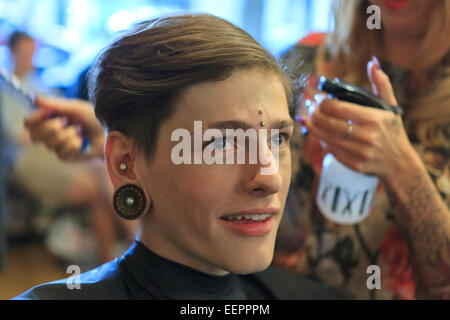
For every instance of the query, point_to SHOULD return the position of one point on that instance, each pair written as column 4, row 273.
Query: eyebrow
column 237, row 124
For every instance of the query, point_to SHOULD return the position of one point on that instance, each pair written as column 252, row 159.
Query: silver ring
column 349, row 130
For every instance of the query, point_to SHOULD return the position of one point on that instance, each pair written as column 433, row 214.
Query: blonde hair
column 350, row 46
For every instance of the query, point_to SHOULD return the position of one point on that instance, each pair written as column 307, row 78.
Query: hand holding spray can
column 345, row 196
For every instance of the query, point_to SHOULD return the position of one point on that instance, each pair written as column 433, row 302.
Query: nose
column 264, row 177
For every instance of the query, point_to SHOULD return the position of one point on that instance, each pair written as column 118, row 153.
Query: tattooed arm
column 424, row 217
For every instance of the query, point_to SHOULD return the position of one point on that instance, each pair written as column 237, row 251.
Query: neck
column 399, row 49
column 164, row 248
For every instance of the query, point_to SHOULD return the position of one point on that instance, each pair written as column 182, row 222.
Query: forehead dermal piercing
column 263, row 123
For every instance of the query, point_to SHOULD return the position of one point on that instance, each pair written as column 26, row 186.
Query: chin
column 251, row 263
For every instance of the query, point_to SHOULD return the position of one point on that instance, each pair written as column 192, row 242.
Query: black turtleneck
column 150, row 276
column 142, row 274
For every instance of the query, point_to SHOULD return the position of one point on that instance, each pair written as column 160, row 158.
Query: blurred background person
column 408, row 231
column 58, row 193
column 22, row 48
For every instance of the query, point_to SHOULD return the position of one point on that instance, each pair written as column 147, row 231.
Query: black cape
column 141, row 274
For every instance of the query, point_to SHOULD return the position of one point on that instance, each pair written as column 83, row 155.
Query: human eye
column 279, row 139
column 220, row 143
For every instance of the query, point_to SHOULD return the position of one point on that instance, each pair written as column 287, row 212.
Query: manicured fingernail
column 47, row 113
column 64, row 121
column 376, row 62
column 300, row 119
column 78, row 130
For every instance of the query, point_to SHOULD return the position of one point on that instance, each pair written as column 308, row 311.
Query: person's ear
column 120, row 159
column 130, row 200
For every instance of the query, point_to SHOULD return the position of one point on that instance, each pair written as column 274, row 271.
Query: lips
column 395, row 4
column 256, row 222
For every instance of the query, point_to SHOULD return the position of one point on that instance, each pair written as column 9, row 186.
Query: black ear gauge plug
column 352, row 93
column 129, row 201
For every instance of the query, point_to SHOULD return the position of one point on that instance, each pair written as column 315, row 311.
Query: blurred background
column 41, row 236
column 70, row 33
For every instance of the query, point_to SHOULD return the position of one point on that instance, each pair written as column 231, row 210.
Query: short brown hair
column 136, row 81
